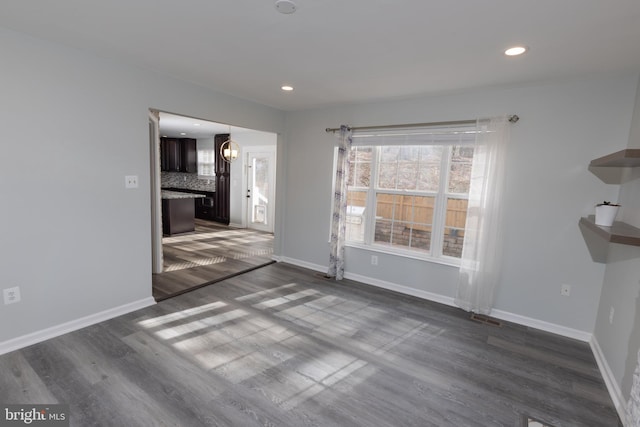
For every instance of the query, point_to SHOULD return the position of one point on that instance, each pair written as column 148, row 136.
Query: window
column 206, row 162
column 408, row 191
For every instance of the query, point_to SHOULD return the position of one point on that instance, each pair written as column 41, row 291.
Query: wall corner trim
column 609, row 380
column 73, row 325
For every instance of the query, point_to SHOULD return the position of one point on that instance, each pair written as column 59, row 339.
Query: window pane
column 454, row 227
column 404, row 220
column 388, row 167
column 356, row 202
column 206, row 162
column 460, row 172
column 410, row 168
column 429, row 174
column 360, row 170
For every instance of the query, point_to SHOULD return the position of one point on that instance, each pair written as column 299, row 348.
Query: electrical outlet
column 131, row 181
column 612, row 311
column 11, row 295
column 565, row 290
column 374, row 259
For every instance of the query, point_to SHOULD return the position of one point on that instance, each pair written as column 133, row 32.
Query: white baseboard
column 63, row 328
column 430, row 296
column 304, row 264
column 610, row 381
column 542, row 325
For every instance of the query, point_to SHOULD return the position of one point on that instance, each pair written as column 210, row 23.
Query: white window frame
column 206, row 153
column 435, row 253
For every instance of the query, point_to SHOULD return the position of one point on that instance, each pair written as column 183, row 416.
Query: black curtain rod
column 513, row 119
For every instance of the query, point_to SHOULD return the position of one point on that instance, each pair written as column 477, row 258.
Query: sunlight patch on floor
column 225, row 234
column 197, row 325
column 198, row 263
column 285, row 299
column 260, row 294
column 179, row 315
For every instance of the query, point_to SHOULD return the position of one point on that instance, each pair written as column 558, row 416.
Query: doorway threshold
column 211, row 282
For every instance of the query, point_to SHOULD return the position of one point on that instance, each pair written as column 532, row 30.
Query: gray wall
column 619, row 340
column 564, row 124
column 73, row 125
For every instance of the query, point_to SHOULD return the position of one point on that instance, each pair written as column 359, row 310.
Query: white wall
column 205, row 144
column 73, row 125
column 564, row 124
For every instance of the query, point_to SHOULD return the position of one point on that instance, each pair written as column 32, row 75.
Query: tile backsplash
column 188, row 181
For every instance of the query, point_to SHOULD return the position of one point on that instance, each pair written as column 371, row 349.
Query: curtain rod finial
column 514, row 118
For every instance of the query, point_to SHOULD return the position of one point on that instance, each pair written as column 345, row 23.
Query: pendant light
column 229, row 149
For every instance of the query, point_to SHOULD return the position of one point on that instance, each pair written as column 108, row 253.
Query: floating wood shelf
column 619, row 232
column 629, row 157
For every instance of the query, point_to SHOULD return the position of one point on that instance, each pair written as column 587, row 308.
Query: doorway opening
column 194, row 243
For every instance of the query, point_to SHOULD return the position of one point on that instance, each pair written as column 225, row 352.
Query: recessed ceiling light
column 196, row 124
column 182, row 133
column 515, row 51
column 287, row 88
column 286, row 6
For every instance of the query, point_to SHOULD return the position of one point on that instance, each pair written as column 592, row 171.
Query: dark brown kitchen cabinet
column 178, row 155
column 189, row 161
column 170, row 154
column 205, row 206
column 223, row 183
column 177, row 216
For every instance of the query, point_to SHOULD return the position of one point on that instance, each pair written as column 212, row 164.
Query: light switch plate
column 11, row 295
column 131, row 181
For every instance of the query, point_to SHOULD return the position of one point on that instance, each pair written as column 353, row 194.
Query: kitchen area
column 207, row 226
column 195, row 183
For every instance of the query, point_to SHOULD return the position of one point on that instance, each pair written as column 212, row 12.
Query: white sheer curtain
column 339, row 220
column 482, row 249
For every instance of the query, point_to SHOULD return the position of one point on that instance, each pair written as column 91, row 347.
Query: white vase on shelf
column 606, row 213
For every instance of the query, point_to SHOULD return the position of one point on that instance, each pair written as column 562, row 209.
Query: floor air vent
column 528, row 421
column 481, row 318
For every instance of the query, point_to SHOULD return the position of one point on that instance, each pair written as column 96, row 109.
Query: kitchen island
column 178, row 212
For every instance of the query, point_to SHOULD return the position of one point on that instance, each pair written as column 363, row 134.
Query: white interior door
column 260, row 190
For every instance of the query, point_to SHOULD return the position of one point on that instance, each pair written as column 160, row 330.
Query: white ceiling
column 177, row 126
column 337, row 51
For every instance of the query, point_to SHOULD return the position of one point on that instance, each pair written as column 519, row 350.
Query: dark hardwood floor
column 282, row 346
column 212, row 253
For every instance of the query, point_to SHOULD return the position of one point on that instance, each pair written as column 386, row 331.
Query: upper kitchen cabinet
column 169, row 154
column 178, row 155
column 189, row 155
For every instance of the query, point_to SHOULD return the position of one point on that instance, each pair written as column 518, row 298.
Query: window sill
column 450, row 261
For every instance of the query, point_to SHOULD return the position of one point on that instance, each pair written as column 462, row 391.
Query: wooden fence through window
column 413, row 209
